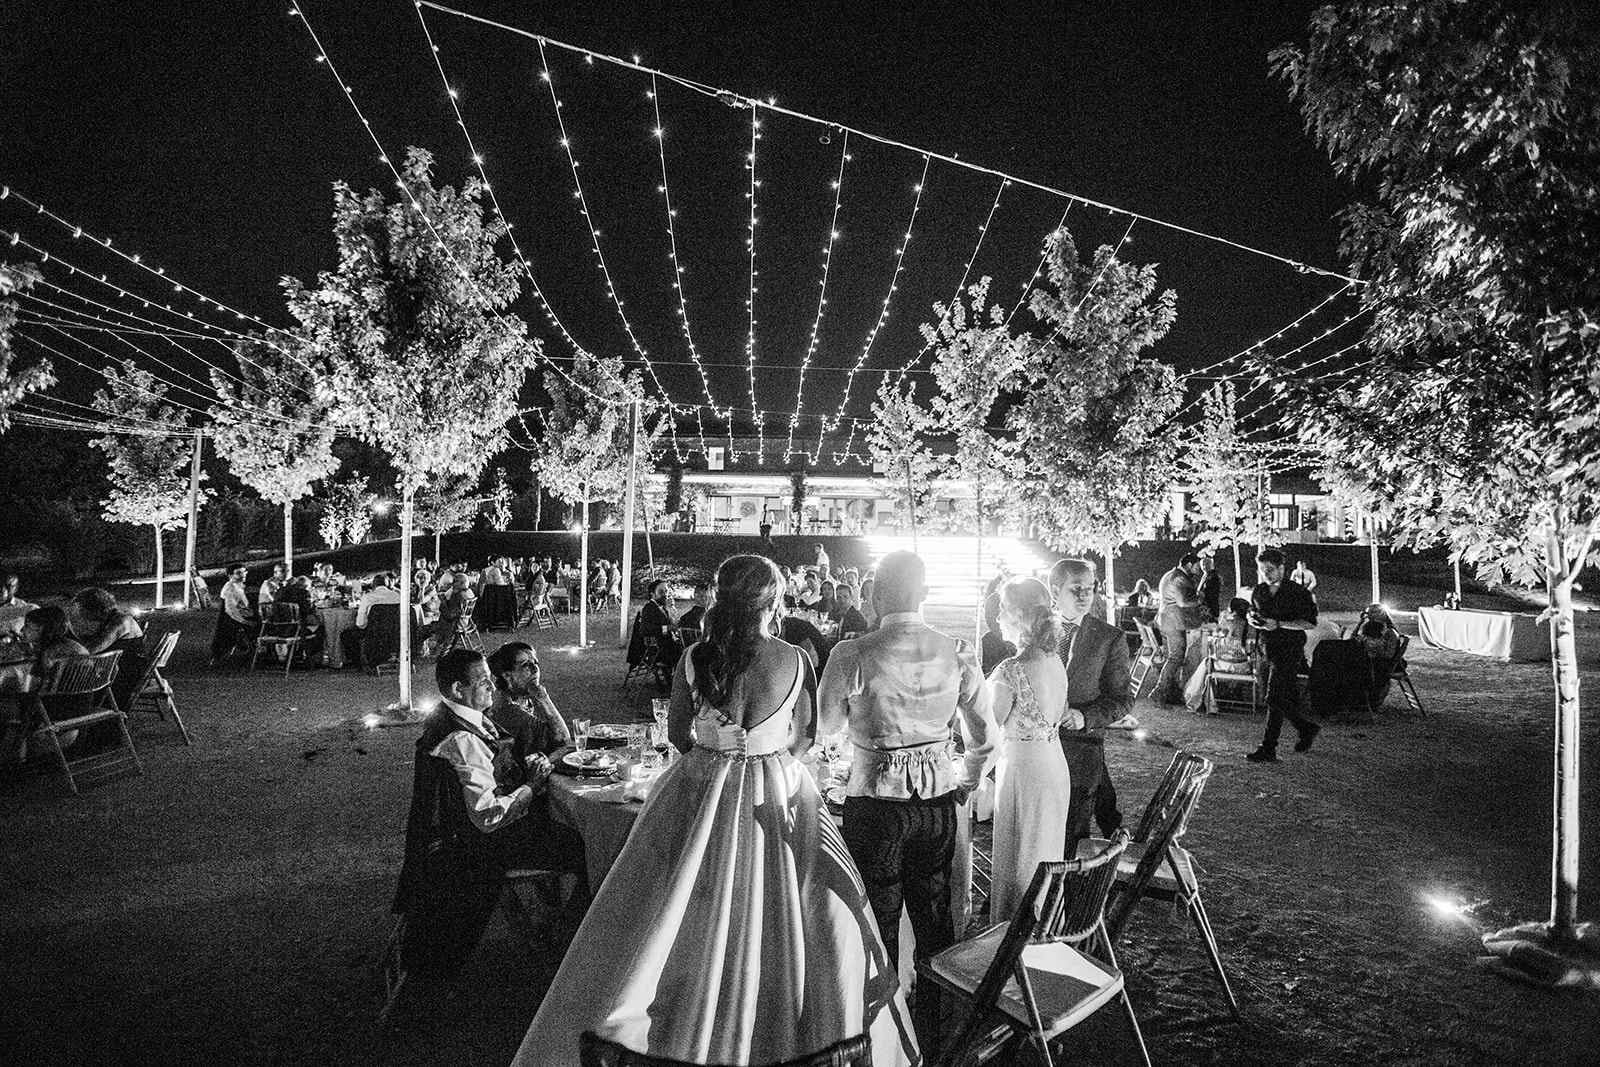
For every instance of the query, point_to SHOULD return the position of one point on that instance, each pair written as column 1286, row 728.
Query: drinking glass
column 636, row 736
column 659, row 707
column 580, row 734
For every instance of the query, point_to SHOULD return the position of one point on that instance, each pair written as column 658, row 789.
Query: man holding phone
column 1281, row 611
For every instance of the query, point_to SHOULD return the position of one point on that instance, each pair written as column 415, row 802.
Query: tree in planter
column 1226, row 476
column 448, row 504
column 273, row 427
column 1478, row 420
column 17, row 383
column 424, row 361
column 897, row 442
column 347, row 515
column 1096, row 457
column 148, row 468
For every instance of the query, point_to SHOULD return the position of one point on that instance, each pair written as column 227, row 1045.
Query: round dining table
column 335, row 621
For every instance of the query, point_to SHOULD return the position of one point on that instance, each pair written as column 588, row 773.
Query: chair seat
column 86, row 719
column 1165, row 881
column 1069, row 985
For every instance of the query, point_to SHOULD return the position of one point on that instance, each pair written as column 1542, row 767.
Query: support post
column 1111, row 582
column 1564, row 671
column 288, row 540
column 190, row 534
column 629, row 494
column 161, row 568
column 1456, row 561
column 911, row 503
column 405, row 602
column 1372, row 538
column 583, row 569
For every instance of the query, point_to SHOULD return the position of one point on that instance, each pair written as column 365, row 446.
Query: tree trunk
column 583, row 573
column 1111, row 583
column 538, row 502
column 404, row 706
column 1238, row 568
column 627, row 523
column 1372, row 536
column 288, row 539
column 161, row 568
column 192, row 530
column 1564, row 668
column 438, row 548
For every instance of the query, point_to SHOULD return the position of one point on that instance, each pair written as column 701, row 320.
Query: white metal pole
column 405, row 602
column 627, row 522
column 583, row 570
column 194, row 520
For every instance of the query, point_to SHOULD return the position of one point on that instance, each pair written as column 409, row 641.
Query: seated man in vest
column 471, row 795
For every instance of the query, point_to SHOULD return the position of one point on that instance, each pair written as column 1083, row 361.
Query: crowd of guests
column 35, row 640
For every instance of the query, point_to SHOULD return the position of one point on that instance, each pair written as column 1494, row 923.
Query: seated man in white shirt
column 382, row 592
column 470, row 791
column 270, row 588
column 236, row 622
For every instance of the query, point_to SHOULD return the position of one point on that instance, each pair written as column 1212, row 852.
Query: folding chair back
column 1150, row 653
column 155, row 688
column 596, row 1051
column 1184, row 765
column 1172, row 821
column 89, row 676
column 644, row 653
column 1402, row 677
column 280, row 631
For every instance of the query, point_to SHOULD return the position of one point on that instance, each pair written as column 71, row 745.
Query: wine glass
column 580, row 734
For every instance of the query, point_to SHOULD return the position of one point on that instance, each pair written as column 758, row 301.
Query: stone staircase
column 956, row 572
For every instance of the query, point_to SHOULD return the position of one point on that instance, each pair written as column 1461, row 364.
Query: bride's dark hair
column 747, row 587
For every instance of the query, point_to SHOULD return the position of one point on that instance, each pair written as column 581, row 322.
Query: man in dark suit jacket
column 1095, row 654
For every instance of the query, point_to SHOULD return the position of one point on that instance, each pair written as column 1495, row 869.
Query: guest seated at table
column 455, row 603
column 849, row 617
column 782, row 929
column 107, row 628
column 13, row 609
column 236, row 622
column 828, row 600
column 382, row 592
column 522, row 706
column 869, row 610
column 804, row 636
column 810, row 592
column 1229, row 653
column 691, row 622
column 655, row 621
column 1378, row 636
column 297, row 591
column 470, row 800
column 48, row 632
column 270, row 588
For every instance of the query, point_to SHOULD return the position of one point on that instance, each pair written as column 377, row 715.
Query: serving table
column 1502, row 635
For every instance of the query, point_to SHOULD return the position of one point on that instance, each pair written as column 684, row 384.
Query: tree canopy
column 17, row 382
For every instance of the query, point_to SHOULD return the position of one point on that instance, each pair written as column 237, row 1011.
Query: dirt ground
column 226, row 907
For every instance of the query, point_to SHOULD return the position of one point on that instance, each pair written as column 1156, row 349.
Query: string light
column 750, row 243
column 822, row 296
column 883, row 314
column 734, row 99
column 678, row 270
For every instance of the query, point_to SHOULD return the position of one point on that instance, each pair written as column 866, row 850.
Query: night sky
column 206, row 137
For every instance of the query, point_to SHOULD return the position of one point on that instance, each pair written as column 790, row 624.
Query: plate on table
column 588, row 762
column 604, row 731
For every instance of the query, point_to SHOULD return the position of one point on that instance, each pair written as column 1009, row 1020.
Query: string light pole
column 190, row 534
column 628, row 496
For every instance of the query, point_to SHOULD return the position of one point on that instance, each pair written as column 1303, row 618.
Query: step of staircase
column 960, row 567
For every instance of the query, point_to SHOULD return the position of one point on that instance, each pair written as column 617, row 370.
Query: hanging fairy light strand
column 678, row 269
column 883, row 313
column 594, row 243
column 750, row 304
column 739, row 99
column 822, row 296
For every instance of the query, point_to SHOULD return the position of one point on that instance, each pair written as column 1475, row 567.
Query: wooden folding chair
column 1156, row 865
column 466, row 634
column 1217, row 677
column 87, row 676
column 1034, row 977
column 154, row 687
column 1150, row 656
column 280, row 630
column 543, row 617
column 646, row 661
column 596, row 1051
column 1401, row 676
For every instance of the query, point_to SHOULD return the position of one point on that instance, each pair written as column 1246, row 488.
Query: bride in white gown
column 734, row 928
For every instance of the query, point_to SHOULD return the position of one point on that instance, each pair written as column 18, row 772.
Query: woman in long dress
column 734, row 928
column 1033, row 785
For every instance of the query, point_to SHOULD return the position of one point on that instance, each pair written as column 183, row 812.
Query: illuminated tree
column 16, row 383
column 1229, row 489
column 583, row 455
column 347, row 514
column 424, row 360
column 446, row 504
column 273, row 425
column 1096, row 456
column 499, row 501
column 897, row 442
column 1477, row 422
column 147, row 456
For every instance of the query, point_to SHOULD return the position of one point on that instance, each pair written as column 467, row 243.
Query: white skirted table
column 1502, row 635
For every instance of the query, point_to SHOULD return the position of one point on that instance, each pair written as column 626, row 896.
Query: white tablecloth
column 1503, row 635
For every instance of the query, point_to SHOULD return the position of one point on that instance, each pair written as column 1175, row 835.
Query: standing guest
column 468, row 791
column 822, row 561
column 897, row 691
column 1179, row 620
column 1033, row 793
column 614, row 590
column 538, row 588
column 13, row 609
column 692, row 620
column 1095, row 654
column 1305, row 577
column 236, row 621
column 851, row 621
column 1210, row 590
column 744, row 933
column 1281, row 613
column 107, row 628
column 994, row 646
column 270, row 588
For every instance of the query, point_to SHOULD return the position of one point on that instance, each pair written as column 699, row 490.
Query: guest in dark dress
column 995, row 649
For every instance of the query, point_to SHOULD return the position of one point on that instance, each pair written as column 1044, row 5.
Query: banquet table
column 1502, row 635
column 335, row 621
column 592, row 807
